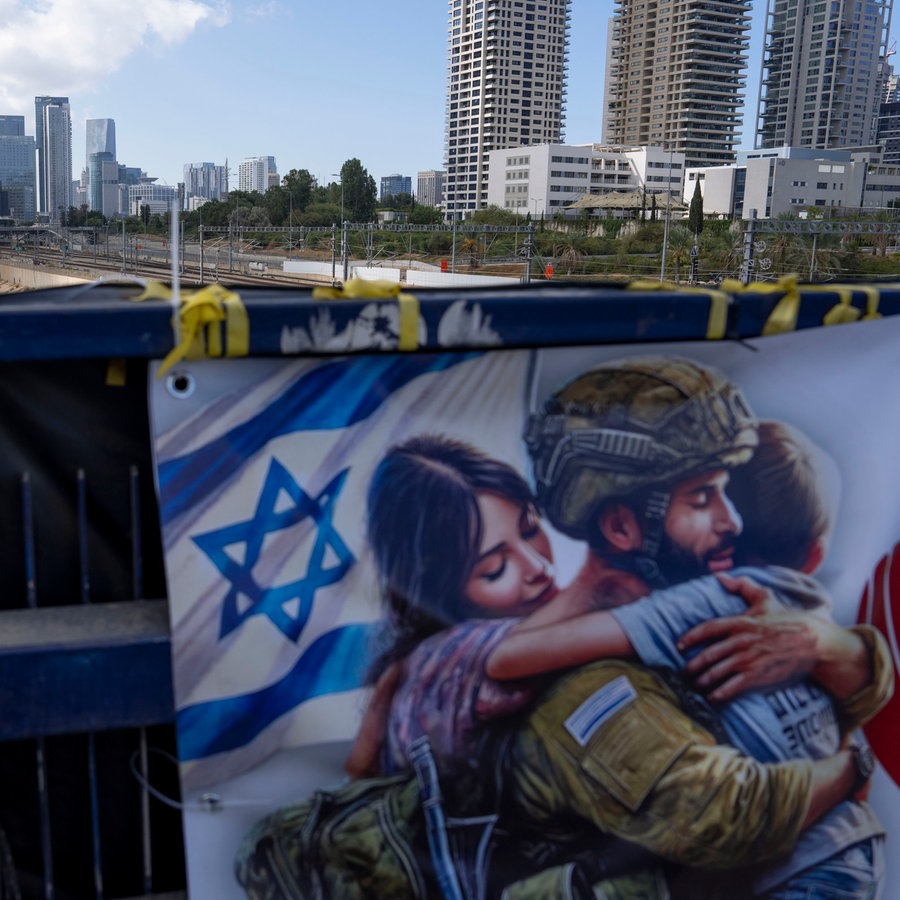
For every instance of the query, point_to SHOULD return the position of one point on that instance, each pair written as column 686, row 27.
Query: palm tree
column 681, row 240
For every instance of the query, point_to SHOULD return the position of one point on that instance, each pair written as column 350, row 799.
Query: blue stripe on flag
column 333, row 395
column 334, row 662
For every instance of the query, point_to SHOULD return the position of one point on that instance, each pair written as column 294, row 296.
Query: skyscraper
column 675, row 77
column 102, row 167
column 206, row 180
column 53, row 136
column 100, row 136
column 257, row 173
column 430, row 187
column 393, row 185
column 17, row 167
column 821, row 81
column 506, row 87
column 12, row 126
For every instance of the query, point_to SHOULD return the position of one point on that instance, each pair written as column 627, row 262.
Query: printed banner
column 429, row 616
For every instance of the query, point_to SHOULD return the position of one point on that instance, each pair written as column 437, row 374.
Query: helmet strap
column 655, row 508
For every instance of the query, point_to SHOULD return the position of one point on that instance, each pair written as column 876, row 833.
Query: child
column 453, row 680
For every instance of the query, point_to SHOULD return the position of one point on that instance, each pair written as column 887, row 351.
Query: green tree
column 398, row 201
column 493, row 215
column 426, row 215
column 360, row 196
column 695, row 213
column 299, row 185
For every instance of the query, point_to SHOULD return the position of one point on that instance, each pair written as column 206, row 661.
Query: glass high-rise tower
column 100, row 140
column 53, row 137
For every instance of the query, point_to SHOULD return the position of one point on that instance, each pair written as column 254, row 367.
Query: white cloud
column 67, row 46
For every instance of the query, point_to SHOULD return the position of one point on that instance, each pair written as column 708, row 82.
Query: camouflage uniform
column 649, row 774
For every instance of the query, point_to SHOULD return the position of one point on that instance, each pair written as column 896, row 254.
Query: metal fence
column 86, row 702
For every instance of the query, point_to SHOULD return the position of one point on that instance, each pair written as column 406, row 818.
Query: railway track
column 156, row 270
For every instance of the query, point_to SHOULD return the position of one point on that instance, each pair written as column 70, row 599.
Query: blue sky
column 311, row 82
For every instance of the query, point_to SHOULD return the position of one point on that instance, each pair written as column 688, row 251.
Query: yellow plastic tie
column 873, row 298
column 201, row 314
column 718, row 302
column 650, row 284
column 365, row 289
column 783, row 318
column 116, row 372
column 843, row 312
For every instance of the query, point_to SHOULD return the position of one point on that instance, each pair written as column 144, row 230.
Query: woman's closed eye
column 494, row 571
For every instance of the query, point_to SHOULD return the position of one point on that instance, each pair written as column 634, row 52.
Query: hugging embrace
column 678, row 720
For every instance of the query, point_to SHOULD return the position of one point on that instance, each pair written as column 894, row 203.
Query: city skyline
column 193, row 81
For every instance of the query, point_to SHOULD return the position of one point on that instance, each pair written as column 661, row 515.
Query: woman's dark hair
column 424, row 530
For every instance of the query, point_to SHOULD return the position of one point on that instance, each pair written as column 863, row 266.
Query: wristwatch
column 864, row 761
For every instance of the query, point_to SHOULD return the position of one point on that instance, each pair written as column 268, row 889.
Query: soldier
column 634, row 458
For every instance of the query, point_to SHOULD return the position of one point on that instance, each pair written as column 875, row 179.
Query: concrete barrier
column 36, row 277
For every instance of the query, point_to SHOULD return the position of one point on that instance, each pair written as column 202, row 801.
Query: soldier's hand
column 764, row 647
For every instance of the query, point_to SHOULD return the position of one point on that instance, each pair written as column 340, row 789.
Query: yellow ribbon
column 873, row 298
column 783, row 317
column 719, row 301
column 843, row 312
column 380, row 289
column 200, row 315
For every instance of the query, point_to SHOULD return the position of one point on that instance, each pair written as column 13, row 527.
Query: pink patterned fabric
column 446, row 694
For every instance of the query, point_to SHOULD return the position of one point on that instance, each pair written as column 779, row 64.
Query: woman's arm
column 364, row 758
column 533, row 648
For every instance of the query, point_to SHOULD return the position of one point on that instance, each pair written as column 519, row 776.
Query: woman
column 457, row 542
column 463, row 563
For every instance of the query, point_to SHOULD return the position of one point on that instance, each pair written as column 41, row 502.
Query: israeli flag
column 262, row 471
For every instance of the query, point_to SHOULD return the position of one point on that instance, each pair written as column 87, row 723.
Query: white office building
column 547, row 179
column 430, row 187
column 257, row 173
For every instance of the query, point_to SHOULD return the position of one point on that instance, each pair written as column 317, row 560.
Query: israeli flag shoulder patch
column 599, row 708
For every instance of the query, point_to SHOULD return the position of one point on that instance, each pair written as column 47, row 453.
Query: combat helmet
column 632, row 424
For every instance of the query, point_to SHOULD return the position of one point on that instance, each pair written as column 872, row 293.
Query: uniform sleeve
column 609, row 745
column 864, row 704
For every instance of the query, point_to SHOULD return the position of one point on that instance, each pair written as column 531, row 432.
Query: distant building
column 506, row 88
column 102, row 168
column 394, row 185
column 53, row 137
column 889, row 132
column 206, row 181
column 257, row 173
column 100, row 136
column 12, row 126
column 546, row 179
column 822, row 74
column 675, row 77
column 796, row 180
column 430, row 187
column 158, row 197
column 17, row 168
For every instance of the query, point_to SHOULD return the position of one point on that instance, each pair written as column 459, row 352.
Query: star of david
column 288, row 606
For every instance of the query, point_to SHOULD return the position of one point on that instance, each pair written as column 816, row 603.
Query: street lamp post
column 665, row 246
column 339, row 175
column 290, row 222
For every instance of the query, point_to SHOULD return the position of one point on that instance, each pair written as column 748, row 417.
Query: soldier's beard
column 676, row 564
